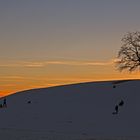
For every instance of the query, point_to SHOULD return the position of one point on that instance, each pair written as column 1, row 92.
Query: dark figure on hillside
column 121, row 103
column 1, row 106
column 29, row 102
column 4, row 103
column 114, row 86
column 116, row 110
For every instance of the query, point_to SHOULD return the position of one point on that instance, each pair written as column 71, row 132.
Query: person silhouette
column 29, row 102
column 121, row 103
column 116, row 110
column 114, row 86
column 1, row 105
column 4, row 103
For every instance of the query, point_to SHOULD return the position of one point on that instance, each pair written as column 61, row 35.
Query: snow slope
column 79, row 111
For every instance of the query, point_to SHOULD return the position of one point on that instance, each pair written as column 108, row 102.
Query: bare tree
column 129, row 54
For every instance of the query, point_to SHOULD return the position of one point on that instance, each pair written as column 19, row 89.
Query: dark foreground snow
column 18, row 134
column 73, row 112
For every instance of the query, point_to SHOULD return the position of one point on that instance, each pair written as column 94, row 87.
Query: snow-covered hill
column 79, row 111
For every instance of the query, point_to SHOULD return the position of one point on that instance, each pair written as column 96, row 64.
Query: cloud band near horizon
column 41, row 64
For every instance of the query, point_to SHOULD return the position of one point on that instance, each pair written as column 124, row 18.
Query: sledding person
column 116, row 110
column 1, row 106
column 114, row 86
column 121, row 103
column 29, row 102
column 4, row 103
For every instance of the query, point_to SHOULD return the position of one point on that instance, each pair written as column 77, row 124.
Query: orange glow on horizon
column 80, row 44
column 64, row 81
column 30, row 75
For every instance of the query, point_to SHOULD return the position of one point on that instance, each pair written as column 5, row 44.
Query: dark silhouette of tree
column 129, row 54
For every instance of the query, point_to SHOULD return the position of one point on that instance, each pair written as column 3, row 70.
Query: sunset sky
column 54, row 42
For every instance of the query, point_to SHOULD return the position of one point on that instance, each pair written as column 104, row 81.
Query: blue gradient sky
column 72, row 32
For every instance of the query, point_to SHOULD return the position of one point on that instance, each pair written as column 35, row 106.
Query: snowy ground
column 73, row 112
column 18, row 134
